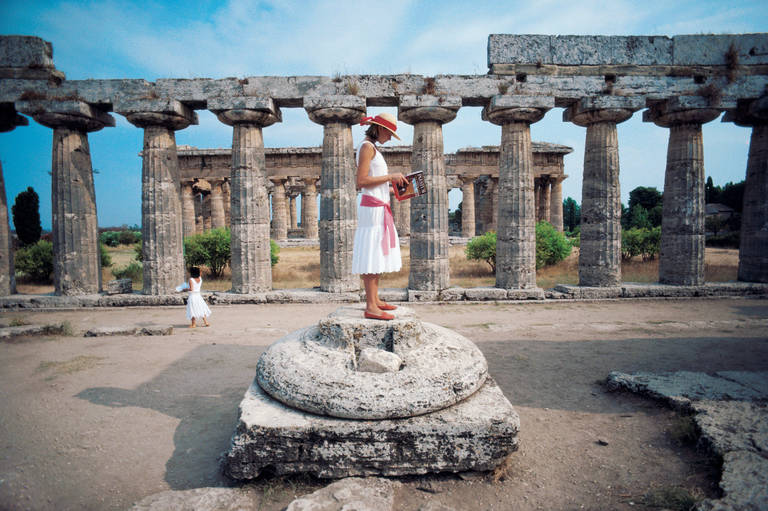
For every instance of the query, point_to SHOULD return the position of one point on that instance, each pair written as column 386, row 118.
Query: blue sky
column 196, row 39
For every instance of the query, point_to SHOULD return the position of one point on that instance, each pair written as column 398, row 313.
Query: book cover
column 413, row 188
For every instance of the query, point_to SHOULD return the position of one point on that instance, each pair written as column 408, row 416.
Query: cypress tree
column 26, row 217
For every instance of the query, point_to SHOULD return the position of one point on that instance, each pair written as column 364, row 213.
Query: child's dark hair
column 194, row 272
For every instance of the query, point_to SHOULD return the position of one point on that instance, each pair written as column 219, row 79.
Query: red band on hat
column 379, row 120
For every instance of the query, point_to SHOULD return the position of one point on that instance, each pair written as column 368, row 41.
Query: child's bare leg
column 193, row 325
column 205, row 321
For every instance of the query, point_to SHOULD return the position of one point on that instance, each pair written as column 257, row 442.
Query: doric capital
column 144, row 113
column 749, row 113
column 682, row 110
column 260, row 111
column 328, row 109
column 73, row 114
column 415, row 109
column 596, row 109
column 505, row 109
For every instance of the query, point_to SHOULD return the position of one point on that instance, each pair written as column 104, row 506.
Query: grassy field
column 299, row 267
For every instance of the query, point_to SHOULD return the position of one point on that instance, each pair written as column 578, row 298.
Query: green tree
column 646, row 196
column 711, row 192
column 551, row 245
column 638, row 218
column 733, row 195
column 26, row 217
column 36, row 261
column 571, row 214
column 104, row 257
column 483, row 248
column 274, row 250
column 209, row 249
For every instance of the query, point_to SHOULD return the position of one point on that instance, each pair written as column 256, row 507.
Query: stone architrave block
column 171, row 107
column 418, row 101
column 312, row 103
column 197, row 90
column 641, row 50
column 25, row 52
column 502, row 102
column 485, row 293
column 519, row 49
column 712, row 50
column 474, row 434
column 262, row 104
column 581, row 50
column 119, row 286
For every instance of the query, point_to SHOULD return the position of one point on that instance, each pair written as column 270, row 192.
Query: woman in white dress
column 377, row 248
column 196, row 306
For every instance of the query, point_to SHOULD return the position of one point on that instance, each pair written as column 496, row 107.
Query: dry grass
column 299, row 267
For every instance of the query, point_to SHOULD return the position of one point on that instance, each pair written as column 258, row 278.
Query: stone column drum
column 516, row 234
column 401, row 210
column 199, row 222
column 187, row 209
column 556, row 203
column 429, row 213
column 468, row 207
column 161, row 227
column 218, row 217
column 9, row 119
column 753, row 249
column 600, row 252
column 681, row 259
column 279, row 210
column 76, row 257
column 309, row 209
column 249, row 200
column 544, row 199
column 207, row 226
column 338, row 193
column 294, row 223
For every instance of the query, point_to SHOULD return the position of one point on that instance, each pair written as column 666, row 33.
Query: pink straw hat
column 384, row 120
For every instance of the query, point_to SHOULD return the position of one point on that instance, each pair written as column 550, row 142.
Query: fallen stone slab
column 475, row 434
column 106, row 331
column 27, row 330
column 201, row 499
column 733, row 426
column 744, row 483
column 156, row 330
column 353, row 493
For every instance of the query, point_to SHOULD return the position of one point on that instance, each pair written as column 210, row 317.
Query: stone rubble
column 353, row 493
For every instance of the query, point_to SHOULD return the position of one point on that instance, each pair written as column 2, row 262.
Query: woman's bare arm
column 367, row 152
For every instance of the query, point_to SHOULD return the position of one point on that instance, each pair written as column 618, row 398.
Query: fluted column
column 227, row 191
column 249, row 200
column 199, row 222
column 468, row 207
column 753, row 249
column 600, row 249
column 516, row 234
column 430, row 270
column 556, row 203
column 544, row 196
column 537, row 198
column 161, row 228
column 279, row 210
column 218, row 218
column 338, row 193
column 76, row 257
column 309, row 209
column 294, row 222
column 681, row 259
column 401, row 210
column 207, row 225
column 9, row 119
column 493, row 183
column 187, row 209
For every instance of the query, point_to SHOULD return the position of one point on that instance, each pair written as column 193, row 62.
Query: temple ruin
column 680, row 82
column 294, row 174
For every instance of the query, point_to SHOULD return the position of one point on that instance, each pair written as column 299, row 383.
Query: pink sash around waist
column 389, row 222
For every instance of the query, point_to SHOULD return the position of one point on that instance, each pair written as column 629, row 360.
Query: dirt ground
column 100, row 423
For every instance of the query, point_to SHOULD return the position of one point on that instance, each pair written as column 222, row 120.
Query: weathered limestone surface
column 338, row 194
column 429, row 212
column 7, row 268
column 119, row 286
column 202, row 499
column 475, row 434
column 316, row 368
column 731, row 413
column 352, row 493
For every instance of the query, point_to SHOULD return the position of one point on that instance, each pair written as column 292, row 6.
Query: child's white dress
column 196, row 306
column 367, row 254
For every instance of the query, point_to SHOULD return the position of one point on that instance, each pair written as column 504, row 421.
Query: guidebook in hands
column 413, row 188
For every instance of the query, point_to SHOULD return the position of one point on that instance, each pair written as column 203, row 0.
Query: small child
column 196, row 306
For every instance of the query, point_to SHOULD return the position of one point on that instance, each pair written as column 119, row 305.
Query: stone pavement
column 730, row 409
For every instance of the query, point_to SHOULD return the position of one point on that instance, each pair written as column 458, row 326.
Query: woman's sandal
column 383, row 316
column 387, row 307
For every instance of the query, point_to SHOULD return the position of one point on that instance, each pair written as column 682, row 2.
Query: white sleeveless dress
column 196, row 306
column 367, row 254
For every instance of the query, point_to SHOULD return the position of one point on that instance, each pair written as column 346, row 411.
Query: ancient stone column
column 468, row 207
column 493, row 183
column 161, row 227
column 187, row 209
column 600, row 252
column 430, row 269
column 401, row 210
column 544, row 196
column 556, row 203
column 309, row 209
column 218, row 217
column 294, row 224
column 536, row 198
column 753, row 249
column 207, row 225
column 516, row 234
column 76, row 256
column 279, row 210
column 227, row 191
column 249, row 200
column 199, row 222
column 681, row 259
column 9, row 119
column 338, row 194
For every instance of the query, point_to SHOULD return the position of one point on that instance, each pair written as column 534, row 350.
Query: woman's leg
column 371, row 284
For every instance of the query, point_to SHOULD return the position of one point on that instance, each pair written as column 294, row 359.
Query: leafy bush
column 110, row 238
column 137, row 252
column 104, row 257
column 209, row 249
column 728, row 240
column 36, row 261
column 274, row 249
column 551, row 245
column 642, row 242
column 133, row 271
column 129, row 237
column 483, row 248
